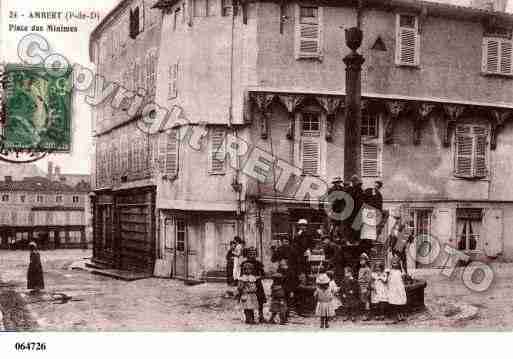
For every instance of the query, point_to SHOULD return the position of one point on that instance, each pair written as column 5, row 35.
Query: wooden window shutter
column 311, row 153
column 480, row 151
column 217, row 151
column 147, row 79
column 162, row 149
column 370, row 159
column 141, row 17
column 407, row 41
column 173, row 81
column 506, row 58
column 308, row 35
column 172, row 154
column 464, row 152
column 491, row 56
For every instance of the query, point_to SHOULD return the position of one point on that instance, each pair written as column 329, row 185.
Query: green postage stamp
column 38, row 109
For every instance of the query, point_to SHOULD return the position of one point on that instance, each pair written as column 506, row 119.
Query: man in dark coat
column 259, row 272
column 303, row 240
column 356, row 193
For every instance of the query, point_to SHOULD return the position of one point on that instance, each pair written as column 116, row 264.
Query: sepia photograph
column 172, row 166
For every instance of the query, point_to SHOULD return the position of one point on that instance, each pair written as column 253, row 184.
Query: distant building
column 53, row 211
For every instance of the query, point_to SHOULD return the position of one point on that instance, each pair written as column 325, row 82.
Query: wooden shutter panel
column 141, row 17
column 491, row 56
column 493, row 232
column 162, row 151
column 464, row 152
column 172, row 154
column 480, row 146
column 370, row 159
column 310, row 155
column 407, row 38
column 506, row 58
column 217, row 151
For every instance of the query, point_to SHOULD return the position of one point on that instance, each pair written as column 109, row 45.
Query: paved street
column 103, row 304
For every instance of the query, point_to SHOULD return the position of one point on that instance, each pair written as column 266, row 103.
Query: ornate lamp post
column 353, row 117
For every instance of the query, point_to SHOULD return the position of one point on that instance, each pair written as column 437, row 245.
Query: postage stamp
column 38, row 109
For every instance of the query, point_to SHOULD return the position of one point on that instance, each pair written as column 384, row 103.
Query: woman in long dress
column 35, row 280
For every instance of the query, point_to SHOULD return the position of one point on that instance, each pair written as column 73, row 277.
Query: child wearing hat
column 364, row 281
column 259, row 273
column 324, row 296
column 278, row 300
column 247, row 293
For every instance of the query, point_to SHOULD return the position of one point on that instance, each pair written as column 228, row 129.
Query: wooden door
column 180, row 246
column 226, row 231
column 493, row 232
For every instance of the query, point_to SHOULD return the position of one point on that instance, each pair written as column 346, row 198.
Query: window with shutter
column 226, row 7
column 217, row 150
column 308, row 32
column 498, row 56
column 471, row 150
column 407, row 40
column 310, row 143
column 200, row 8
column 172, row 154
column 370, row 159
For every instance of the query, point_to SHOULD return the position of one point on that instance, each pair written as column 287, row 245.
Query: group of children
column 374, row 292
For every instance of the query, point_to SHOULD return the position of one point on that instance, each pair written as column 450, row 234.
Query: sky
column 75, row 47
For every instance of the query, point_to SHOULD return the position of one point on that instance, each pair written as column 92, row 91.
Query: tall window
column 5, row 198
column 497, row 56
column 311, row 143
column 471, row 151
column 407, row 51
column 469, row 223
column 58, row 199
column 173, row 81
column 372, row 144
column 308, row 32
column 40, row 199
column 176, row 18
column 181, row 235
column 76, row 199
column 172, row 158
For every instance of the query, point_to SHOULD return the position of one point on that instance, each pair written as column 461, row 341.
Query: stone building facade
column 262, row 83
column 47, row 210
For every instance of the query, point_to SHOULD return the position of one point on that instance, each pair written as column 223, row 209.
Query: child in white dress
column 379, row 294
column 397, row 291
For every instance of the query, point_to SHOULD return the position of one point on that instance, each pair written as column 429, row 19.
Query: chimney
column 8, row 179
column 57, row 173
column 50, row 170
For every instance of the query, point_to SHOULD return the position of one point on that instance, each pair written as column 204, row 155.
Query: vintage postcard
column 255, row 166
